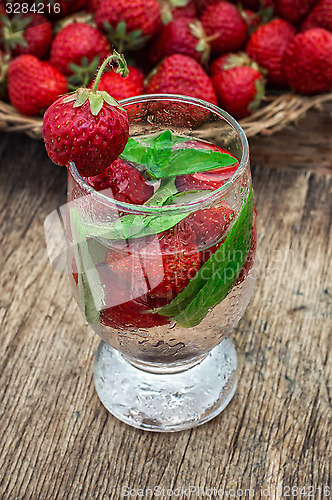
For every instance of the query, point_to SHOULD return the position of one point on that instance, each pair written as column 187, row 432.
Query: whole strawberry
column 239, row 90
column 122, row 88
column 33, row 84
column 27, row 34
column 266, row 46
column 87, row 127
column 294, row 11
column 225, row 26
column 183, row 35
column 128, row 24
column 319, row 17
column 78, row 49
column 180, row 74
column 126, row 183
column 307, row 61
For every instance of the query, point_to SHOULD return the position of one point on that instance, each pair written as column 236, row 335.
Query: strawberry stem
column 121, row 67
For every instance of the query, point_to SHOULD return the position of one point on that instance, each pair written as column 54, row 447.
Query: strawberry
column 210, row 224
column 173, row 9
column 223, row 23
column 167, row 262
column 266, row 46
column 319, row 17
column 119, row 87
column 294, row 11
column 181, row 74
column 33, row 84
column 132, row 314
column 87, row 127
column 27, row 34
column 183, row 35
column 307, row 61
column 128, row 24
column 77, row 50
column 240, row 90
column 125, row 181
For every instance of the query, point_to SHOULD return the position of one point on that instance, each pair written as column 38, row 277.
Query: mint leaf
column 134, row 151
column 160, row 160
column 134, row 226
column 217, row 276
column 164, row 193
column 190, row 161
column 90, row 290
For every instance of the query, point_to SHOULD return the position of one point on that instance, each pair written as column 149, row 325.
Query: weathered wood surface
column 56, row 439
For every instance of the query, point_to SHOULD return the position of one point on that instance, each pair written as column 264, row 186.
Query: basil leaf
column 91, row 292
column 217, row 276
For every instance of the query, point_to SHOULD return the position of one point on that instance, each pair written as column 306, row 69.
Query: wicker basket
column 279, row 111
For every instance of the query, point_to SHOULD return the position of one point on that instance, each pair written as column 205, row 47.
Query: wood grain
column 57, row 440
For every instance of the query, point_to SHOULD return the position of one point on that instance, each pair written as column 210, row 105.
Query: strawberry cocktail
column 162, row 244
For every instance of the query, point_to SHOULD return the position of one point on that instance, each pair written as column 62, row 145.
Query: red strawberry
column 27, row 34
column 294, row 11
column 87, row 127
column 125, row 181
column 307, row 61
column 319, row 17
column 183, row 35
column 128, row 24
column 166, row 263
column 210, row 224
column 211, row 180
column 120, row 87
column 239, row 90
column 266, row 46
column 180, row 74
column 33, row 85
column 82, row 45
column 172, row 9
column 224, row 23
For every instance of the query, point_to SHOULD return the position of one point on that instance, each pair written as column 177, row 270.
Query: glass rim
column 207, row 199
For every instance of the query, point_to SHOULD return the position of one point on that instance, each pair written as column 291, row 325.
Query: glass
column 164, row 303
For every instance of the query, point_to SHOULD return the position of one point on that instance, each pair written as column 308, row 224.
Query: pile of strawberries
column 221, row 51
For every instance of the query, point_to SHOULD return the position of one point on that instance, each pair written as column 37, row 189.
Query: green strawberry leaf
column 90, row 290
column 217, row 276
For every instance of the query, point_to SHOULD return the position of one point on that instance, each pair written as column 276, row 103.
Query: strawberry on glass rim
column 88, row 126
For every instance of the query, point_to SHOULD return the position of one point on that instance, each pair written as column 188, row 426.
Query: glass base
column 166, row 402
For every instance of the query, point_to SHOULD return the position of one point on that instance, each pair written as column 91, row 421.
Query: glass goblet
column 164, row 281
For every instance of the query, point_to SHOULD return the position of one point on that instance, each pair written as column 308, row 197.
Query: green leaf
column 189, row 161
column 96, row 103
column 165, row 192
column 134, row 226
column 134, row 151
column 91, row 292
column 160, row 159
column 217, row 276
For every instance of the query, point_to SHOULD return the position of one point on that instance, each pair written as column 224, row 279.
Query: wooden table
column 58, row 441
